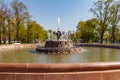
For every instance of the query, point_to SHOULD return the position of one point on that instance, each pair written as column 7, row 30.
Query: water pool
column 89, row 54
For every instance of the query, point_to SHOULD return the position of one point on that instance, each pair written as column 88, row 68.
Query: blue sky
column 46, row 12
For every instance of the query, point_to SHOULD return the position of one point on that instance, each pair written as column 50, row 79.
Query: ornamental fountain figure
column 59, row 45
column 59, row 33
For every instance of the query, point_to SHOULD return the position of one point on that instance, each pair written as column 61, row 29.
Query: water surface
column 88, row 54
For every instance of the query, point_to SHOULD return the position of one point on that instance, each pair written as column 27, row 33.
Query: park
column 54, row 41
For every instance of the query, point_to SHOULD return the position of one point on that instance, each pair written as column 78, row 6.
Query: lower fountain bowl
column 59, row 50
column 59, row 46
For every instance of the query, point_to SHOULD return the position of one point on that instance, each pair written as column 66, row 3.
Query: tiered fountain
column 58, row 45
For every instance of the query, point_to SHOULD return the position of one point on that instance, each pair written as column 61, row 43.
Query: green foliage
column 37, row 32
column 108, row 14
column 114, row 20
column 101, row 11
column 16, row 24
column 86, row 29
column 73, row 37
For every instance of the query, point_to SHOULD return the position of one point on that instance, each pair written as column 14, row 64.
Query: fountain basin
column 82, row 71
column 78, row 71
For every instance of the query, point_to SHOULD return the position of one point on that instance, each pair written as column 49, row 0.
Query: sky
column 46, row 12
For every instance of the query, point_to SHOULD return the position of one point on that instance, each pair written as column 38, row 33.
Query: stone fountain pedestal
column 59, row 46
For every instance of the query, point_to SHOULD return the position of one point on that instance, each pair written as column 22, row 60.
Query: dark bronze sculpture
column 58, row 34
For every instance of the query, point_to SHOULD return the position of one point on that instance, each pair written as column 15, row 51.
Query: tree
column 16, row 23
column 3, row 15
column 101, row 11
column 10, row 24
column 114, row 19
column 1, row 23
column 36, row 32
column 19, row 9
column 86, row 29
column 92, row 25
column 27, row 17
column 73, row 36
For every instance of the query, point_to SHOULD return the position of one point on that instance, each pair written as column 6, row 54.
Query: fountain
column 58, row 45
column 89, row 65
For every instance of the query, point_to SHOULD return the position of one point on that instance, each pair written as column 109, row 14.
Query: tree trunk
column 4, row 35
column 101, row 37
column 9, row 37
column 17, row 35
column 28, row 35
column 113, row 35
